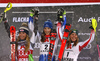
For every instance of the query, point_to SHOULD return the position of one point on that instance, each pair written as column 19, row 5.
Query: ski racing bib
column 68, row 56
column 71, row 54
column 44, row 49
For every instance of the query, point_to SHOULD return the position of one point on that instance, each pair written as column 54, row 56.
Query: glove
column 66, row 30
column 34, row 12
column 91, row 27
column 60, row 14
column 4, row 19
column 2, row 16
column 93, row 24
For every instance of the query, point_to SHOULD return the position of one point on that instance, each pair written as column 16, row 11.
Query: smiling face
column 47, row 30
column 73, row 37
column 22, row 35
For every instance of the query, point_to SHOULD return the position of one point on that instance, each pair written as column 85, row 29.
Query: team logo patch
column 47, row 25
column 74, row 31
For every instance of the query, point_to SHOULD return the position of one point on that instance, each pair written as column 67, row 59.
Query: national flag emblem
column 21, row 30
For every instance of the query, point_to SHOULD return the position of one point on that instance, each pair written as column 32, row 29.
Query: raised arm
column 90, row 39
column 33, row 26
column 61, row 21
column 7, row 27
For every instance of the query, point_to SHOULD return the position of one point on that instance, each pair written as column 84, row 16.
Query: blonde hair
column 26, row 46
column 69, row 41
column 24, row 25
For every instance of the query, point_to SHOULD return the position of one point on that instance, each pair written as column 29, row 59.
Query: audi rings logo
column 88, row 46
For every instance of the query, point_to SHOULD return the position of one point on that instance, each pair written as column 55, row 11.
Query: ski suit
column 44, row 46
column 21, row 55
column 71, row 53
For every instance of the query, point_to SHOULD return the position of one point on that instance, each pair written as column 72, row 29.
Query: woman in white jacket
column 73, row 47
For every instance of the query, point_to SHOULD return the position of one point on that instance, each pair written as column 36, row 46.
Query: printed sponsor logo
column 37, row 45
column 17, row 33
column 81, row 19
column 86, row 58
column 35, row 56
column 83, row 33
column 98, row 29
column 20, row 19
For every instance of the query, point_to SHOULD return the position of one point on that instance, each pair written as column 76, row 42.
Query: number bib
column 69, row 56
column 44, row 49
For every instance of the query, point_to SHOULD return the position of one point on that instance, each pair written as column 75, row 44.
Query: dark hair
column 43, row 36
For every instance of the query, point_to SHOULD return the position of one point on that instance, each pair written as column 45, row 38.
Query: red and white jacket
column 71, row 53
column 21, row 55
